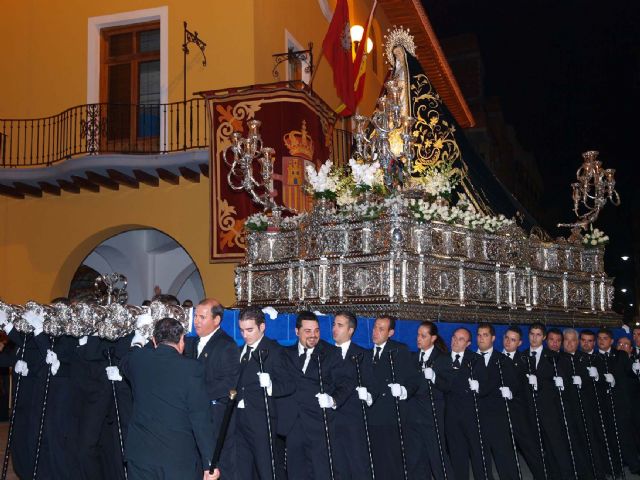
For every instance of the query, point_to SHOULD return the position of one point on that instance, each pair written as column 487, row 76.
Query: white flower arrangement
column 258, row 222
column 346, row 197
column 595, row 238
column 424, row 211
column 291, row 223
column 364, row 210
column 324, row 182
column 366, row 176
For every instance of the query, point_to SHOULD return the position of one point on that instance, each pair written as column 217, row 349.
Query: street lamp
column 357, row 32
column 623, row 290
column 625, row 258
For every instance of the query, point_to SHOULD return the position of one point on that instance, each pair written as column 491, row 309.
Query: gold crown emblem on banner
column 299, row 142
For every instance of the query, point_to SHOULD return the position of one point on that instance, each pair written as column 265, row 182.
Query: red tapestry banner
column 296, row 123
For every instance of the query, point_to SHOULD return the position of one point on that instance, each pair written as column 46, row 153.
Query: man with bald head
column 219, row 355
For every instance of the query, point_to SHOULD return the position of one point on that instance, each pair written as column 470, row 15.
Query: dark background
column 567, row 74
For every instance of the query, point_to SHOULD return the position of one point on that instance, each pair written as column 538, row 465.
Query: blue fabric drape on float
column 282, row 329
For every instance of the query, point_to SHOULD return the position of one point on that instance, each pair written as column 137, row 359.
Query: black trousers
column 464, row 444
column 497, row 440
column 253, row 456
column 351, row 455
column 423, row 454
column 385, row 446
column 307, row 456
column 162, row 472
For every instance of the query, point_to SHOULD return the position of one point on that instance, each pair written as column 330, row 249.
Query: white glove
column 593, row 373
column 143, row 320
column 325, row 400
column 559, row 382
column 577, row 381
column 533, row 381
column 138, row 339
column 35, row 321
column 610, row 380
column 3, row 318
column 271, row 312
column 636, row 367
column 506, row 393
column 398, row 391
column 474, row 385
column 52, row 359
column 113, row 374
column 265, row 381
column 21, row 368
column 429, row 374
column 364, row 395
column 83, row 340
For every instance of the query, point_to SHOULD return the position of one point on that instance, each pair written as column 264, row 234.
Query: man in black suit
column 496, row 396
column 537, row 369
column 219, row 355
column 169, row 434
column 425, row 438
column 581, row 400
column 615, row 402
column 635, row 384
column 524, row 428
column 383, row 419
column 303, row 420
column 255, row 433
column 461, row 421
column 352, row 457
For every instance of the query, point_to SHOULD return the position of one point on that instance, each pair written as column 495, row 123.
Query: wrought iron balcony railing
column 104, row 128
column 101, row 128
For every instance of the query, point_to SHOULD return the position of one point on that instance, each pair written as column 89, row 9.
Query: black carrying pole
column 224, row 428
column 477, row 411
column 601, row 417
column 357, row 359
column 117, row 408
column 554, row 360
column 534, row 396
column 5, row 463
column 398, row 418
column 435, row 421
column 261, row 355
column 584, row 419
column 325, row 420
column 506, row 406
column 613, row 416
column 42, row 418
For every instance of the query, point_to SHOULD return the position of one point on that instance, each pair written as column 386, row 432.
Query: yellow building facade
column 51, row 61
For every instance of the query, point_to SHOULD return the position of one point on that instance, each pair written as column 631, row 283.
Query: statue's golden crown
column 299, row 142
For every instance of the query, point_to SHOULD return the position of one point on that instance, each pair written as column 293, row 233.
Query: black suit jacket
column 460, row 397
column 419, row 405
column 406, row 374
column 170, row 425
column 275, row 363
column 221, row 365
column 303, row 404
column 351, row 410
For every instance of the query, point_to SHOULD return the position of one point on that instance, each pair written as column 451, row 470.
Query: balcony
column 87, row 147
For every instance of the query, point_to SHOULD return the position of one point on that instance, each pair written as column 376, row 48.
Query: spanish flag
column 336, row 47
column 360, row 63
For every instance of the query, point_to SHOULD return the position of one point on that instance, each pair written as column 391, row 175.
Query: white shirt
column 244, row 350
column 254, row 347
column 204, row 340
column 486, row 356
column 426, row 354
column 307, row 358
column 538, row 353
column 375, row 347
column 460, row 356
column 511, row 355
column 344, row 347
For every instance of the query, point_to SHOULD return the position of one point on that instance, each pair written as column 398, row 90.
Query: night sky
column 568, row 77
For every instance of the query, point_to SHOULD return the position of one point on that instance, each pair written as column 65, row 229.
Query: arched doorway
column 148, row 258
